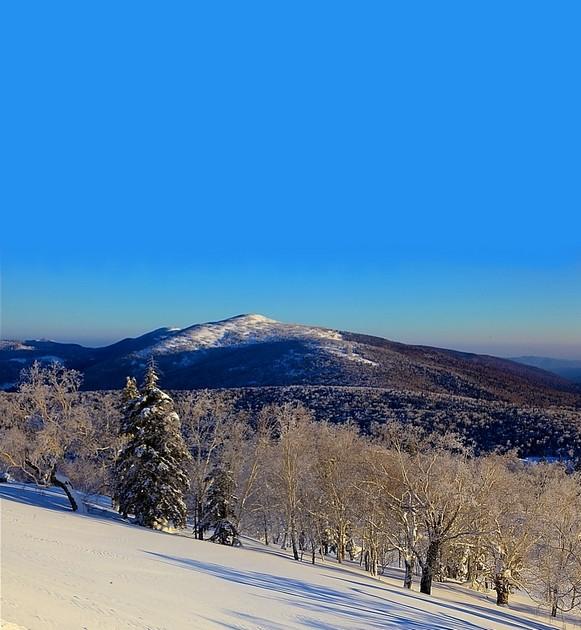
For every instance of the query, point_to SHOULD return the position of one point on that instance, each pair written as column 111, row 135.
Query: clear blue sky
column 408, row 169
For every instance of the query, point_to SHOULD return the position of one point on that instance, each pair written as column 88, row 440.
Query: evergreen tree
column 131, row 391
column 151, row 467
column 220, row 510
column 128, row 397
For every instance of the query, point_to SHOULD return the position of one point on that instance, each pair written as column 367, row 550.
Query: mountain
column 255, row 351
column 569, row 369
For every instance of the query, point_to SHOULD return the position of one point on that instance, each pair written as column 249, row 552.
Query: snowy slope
column 63, row 571
column 243, row 329
column 246, row 330
column 256, row 351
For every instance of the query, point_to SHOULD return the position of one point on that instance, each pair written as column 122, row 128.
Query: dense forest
column 436, row 484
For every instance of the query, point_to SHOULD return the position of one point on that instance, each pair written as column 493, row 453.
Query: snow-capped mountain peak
column 235, row 331
column 252, row 350
column 252, row 318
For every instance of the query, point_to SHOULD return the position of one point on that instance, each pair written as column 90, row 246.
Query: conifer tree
column 131, row 391
column 151, row 467
column 220, row 509
column 128, row 397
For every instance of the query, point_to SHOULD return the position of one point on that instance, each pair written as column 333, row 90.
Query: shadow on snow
column 355, row 606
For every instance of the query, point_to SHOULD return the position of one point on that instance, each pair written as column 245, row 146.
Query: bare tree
column 438, row 492
column 337, row 462
column 385, row 488
column 206, row 417
column 554, row 568
column 47, row 425
column 513, row 505
column 292, row 423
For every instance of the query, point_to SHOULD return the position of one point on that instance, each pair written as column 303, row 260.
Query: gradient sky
column 407, row 169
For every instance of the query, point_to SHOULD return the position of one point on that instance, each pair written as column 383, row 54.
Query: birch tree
column 47, row 426
column 292, row 423
column 205, row 419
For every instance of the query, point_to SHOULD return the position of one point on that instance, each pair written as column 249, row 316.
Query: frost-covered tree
column 388, row 507
column 206, row 421
column 293, row 424
column 512, row 510
column 554, row 571
column 336, row 463
column 151, row 467
column 45, row 427
column 220, row 509
column 131, row 391
column 437, row 492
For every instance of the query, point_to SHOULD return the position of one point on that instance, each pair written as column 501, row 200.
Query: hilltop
column 256, row 351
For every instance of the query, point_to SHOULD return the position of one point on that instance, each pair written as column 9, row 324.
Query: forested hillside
column 255, row 351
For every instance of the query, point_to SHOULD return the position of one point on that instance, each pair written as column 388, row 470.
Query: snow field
column 65, row 571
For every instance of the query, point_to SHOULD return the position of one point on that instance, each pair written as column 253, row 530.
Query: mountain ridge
column 566, row 368
column 252, row 350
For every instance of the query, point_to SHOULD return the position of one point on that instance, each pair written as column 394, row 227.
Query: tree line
column 396, row 494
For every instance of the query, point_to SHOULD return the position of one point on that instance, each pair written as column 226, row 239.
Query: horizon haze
column 521, row 350
column 406, row 173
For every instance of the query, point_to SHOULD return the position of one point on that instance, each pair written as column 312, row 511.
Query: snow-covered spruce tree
column 221, row 509
column 151, row 467
column 130, row 391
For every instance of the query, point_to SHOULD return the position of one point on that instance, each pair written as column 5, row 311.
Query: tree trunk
column 63, row 482
column 198, row 527
column 373, row 561
column 502, row 588
column 340, row 543
column 429, row 569
column 294, row 546
column 409, row 572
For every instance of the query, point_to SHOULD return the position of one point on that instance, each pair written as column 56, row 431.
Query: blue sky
column 405, row 169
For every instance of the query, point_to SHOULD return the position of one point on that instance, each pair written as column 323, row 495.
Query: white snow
column 6, row 344
column 64, row 571
column 236, row 331
column 248, row 329
column 76, row 496
column 346, row 351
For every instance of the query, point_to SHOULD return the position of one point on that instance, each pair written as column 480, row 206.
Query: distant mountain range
column 255, row 351
column 569, row 369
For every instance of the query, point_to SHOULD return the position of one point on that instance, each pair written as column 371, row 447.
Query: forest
column 390, row 491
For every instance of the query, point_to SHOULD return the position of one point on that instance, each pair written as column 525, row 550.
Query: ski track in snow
column 64, row 571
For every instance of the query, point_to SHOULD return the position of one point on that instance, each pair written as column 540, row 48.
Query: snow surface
column 249, row 329
column 8, row 344
column 76, row 496
column 64, row 571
